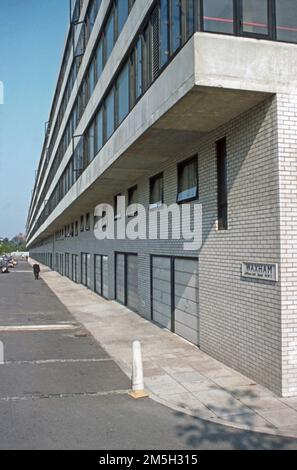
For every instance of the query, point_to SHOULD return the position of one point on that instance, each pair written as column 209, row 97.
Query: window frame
column 117, row 215
column 270, row 21
column 180, row 167
column 152, row 181
column 88, row 222
column 222, row 202
column 82, row 223
column 235, row 20
column 131, row 190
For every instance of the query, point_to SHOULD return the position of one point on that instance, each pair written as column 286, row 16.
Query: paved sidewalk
column 177, row 374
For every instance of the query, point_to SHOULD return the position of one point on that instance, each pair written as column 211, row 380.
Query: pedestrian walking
column 36, row 271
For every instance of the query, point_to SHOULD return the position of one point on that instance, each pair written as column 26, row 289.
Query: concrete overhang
column 211, row 81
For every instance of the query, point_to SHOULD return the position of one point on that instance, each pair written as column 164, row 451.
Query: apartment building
column 187, row 102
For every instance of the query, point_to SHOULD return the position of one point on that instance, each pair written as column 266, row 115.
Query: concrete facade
column 207, row 92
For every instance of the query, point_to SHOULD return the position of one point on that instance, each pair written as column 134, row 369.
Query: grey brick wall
column 287, row 141
column 240, row 320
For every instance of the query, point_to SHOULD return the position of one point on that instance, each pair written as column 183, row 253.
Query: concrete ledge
column 177, row 374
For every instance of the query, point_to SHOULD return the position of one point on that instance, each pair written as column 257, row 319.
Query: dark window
column 175, row 25
column 156, row 190
column 222, row 185
column 156, row 50
column 91, row 143
column 99, row 131
column 138, row 67
column 218, row 16
column 286, row 20
column 190, row 18
column 88, row 224
column 109, row 113
column 188, row 180
column 99, row 59
column 133, row 195
column 132, row 199
column 123, row 94
column 255, row 16
column 82, row 223
column 146, row 65
column 91, row 78
column 164, row 32
column 123, row 13
column 116, row 213
column 76, row 228
column 109, row 36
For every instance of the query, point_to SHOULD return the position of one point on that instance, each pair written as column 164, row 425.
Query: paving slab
column 174, row 368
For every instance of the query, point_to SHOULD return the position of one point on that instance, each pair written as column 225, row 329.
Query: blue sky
column 32, row 34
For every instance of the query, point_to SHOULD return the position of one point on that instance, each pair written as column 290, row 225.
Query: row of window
column 187, row 190
column 168, row 26
column 111, row 29
column 271, row 19
column 73, row 73
column 141, row 68
column 85, row 32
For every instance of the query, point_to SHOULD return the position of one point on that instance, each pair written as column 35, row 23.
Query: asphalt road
column 60, row 390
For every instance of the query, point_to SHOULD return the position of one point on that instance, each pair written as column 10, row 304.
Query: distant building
column 185, row 101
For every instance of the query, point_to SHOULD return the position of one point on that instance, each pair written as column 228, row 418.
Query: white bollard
column 137, row 373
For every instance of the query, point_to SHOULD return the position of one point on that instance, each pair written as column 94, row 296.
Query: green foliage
column 11, row 246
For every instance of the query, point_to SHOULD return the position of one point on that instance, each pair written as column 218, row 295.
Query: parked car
column 4, row 268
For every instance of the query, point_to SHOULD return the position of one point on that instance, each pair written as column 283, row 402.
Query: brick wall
column 240, row 320
column 287, row 142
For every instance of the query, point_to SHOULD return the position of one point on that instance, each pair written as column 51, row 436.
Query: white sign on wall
column 263, row 271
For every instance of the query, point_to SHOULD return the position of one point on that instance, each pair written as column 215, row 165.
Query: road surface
column 60, row 390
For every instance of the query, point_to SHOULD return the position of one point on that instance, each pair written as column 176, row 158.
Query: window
column 188, row 180
column 138, row 71
column 146, row 64
column 123, row 94
column 156, row 190
column 99, row 131
column 109, row 36
column 175, row 25
column 132, row 199
column 286, row 20
column 76, row 228
column 123, row 13
column 109, row 114
column 164, row 32
column 82, row 223
column 255, row 16
column 91, row 78
column 91, row 17
column 222, row 185
column 218, row 16
column 116, row 208
column 88, row 224
column 99, row 59
column 91, row 143
column 133, row 195
column 190, row 18
column 78, row 159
